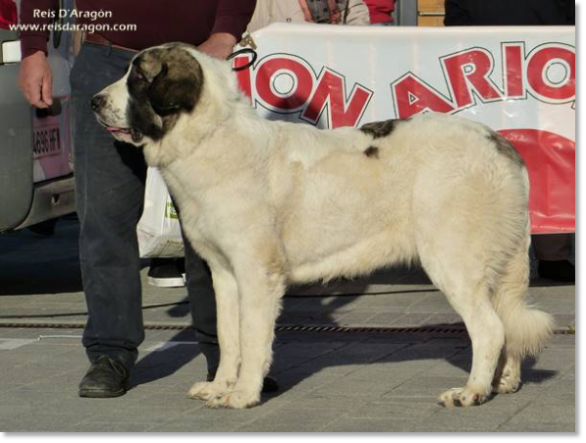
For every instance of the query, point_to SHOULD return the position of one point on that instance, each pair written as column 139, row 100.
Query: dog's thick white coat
column 272, row 203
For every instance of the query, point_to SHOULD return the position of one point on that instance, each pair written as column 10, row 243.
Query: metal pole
column 406, row 12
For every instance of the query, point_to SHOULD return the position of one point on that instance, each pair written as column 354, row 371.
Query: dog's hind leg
column 260, row 290
column 463, row 281
column 226, row 291
column 526, row 328
column 487, row 335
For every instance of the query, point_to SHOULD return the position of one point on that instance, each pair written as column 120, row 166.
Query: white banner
column 518, row 80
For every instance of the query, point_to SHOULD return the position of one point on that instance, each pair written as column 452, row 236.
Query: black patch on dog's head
column 506, row 148
column 371, row 151
column 380, row 129
column 163, row 83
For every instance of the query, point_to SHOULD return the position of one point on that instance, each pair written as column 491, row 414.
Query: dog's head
column 161, row 83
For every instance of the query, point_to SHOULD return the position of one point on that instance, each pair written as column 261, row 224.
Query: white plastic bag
column 158, row 230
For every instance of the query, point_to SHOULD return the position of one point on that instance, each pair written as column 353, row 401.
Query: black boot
column 106, row 378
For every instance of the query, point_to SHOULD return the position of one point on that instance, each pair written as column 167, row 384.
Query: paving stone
column 292, row 419
column 526, row 427
column 351, row 424
column 45, row 422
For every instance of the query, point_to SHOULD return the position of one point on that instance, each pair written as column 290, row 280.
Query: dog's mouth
column 123, row 133
column 118, row 131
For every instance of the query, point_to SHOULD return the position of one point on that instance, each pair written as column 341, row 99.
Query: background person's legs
column 553, row 252
column 166, row 272
column 202, row 302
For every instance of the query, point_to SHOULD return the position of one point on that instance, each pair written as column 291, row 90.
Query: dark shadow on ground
column 32, row 264
column 356, row 349
column 164, row 363
column 41, row 264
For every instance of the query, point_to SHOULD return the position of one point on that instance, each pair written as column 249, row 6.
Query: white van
column 36, row 163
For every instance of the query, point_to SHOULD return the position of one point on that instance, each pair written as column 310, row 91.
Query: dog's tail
column 527, row 328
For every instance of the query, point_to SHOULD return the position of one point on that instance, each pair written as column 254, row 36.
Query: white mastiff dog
column 271, row 203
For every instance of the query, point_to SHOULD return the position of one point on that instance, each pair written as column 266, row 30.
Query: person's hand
column 219, row 45
column 306, row 13
column 35, row 80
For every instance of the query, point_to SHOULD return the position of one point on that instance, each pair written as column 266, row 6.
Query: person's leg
column 110, row 192
column 553, row 252
column 552, row 247
column 202, row 302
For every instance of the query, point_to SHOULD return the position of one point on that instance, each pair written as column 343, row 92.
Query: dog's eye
column 138, row 74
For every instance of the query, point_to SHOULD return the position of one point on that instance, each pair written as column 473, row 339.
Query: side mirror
column 10, row 52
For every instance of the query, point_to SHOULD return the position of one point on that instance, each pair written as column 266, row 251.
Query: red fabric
column 550, row 160
column 7, row 14
column 380, row 10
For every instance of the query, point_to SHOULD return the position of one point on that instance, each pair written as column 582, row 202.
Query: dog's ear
column 177, row 86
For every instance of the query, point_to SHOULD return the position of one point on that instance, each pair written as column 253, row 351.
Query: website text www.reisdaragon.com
column 64, row 20
column 74, row 27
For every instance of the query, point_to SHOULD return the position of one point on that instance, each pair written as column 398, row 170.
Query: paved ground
column 360, row 381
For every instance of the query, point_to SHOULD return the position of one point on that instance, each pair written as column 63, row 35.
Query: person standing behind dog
column 336, row 12
column 552, row 250
column 381, row 12
column 110, row 176
column 509, row 13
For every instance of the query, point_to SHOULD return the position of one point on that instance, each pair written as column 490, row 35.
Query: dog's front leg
column 226, row 291
column 260, row 292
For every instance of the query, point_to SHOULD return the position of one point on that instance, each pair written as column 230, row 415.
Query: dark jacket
column 509, row 12
column 156, row 21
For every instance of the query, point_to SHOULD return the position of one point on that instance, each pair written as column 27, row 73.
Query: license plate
column 47, row 140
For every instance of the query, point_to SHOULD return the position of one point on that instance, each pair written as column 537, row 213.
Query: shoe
column 559, row 270
column 106, row 378
column 167, row 273
column 269, row 384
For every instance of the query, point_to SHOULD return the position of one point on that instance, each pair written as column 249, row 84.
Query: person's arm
column 232, row 18
column 35, row 78
column 457, row 13
column 31, row 13
column 358, row 14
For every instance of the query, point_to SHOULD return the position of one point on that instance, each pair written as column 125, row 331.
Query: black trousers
column 110, row 181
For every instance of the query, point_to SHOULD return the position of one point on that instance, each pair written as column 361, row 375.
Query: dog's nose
column 98, row 102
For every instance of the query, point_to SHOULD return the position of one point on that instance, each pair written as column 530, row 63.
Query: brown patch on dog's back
column 371, row 151
column 380, row 129
column 506, row 148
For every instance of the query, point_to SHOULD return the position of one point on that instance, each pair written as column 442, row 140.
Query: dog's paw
column 506, row 386
column 237, row 399
column 462, row 397
column 206, row 390
column 508, row 382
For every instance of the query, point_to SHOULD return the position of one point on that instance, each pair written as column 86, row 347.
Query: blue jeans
column 110, row 181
